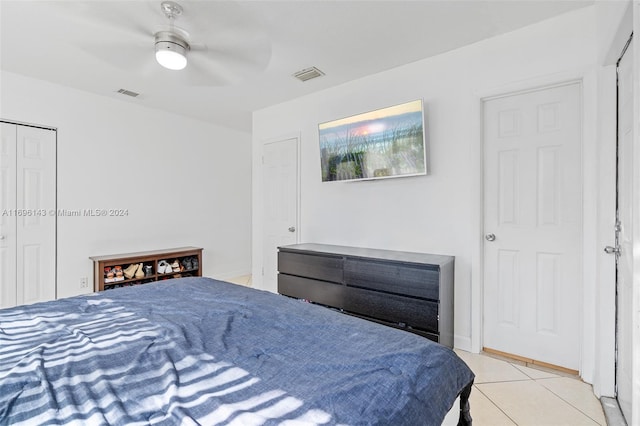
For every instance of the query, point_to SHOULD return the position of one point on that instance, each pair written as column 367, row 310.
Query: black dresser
column 411, row 291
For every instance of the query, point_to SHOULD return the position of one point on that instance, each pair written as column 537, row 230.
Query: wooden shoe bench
column 147, row 258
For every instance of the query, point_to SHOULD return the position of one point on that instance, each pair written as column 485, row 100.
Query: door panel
column 624, row 237
column 36, row 231
column 548, row 289
column 8, row 283
column 280, row 182
column 533, row 206
column 549, row 189
column 28, row 220
column 508, row 288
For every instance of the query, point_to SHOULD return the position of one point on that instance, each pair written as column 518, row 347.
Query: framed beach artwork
column 385, row 143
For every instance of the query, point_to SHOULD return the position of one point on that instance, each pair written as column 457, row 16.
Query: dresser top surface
column 391, row 255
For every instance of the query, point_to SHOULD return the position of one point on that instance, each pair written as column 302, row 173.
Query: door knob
column 292, row 229
column 1, row 237
column 612, row 250
column 490, row 237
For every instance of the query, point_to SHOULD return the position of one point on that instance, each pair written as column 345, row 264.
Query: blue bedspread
column 201, row 351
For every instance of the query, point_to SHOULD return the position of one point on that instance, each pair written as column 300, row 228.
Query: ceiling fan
column 223, row 45
column 171, row 47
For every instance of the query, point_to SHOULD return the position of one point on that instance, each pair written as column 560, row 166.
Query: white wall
column 441, row 212
column 184, row 182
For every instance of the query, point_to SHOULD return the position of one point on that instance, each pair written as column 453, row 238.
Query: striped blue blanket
column 200, row 351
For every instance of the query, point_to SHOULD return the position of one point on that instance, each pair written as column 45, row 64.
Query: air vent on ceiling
column 128, row 93
column 308, row 74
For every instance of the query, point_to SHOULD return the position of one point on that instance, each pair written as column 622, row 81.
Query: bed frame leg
column 465, row 408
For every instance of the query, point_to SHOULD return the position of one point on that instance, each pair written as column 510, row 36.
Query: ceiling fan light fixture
column 170, row 57
column 171, row 50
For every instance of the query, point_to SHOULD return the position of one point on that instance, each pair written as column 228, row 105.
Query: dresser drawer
column 393, row 277
column 435, row 337
column 321, row 292
column 326, row 268
column 412, row 312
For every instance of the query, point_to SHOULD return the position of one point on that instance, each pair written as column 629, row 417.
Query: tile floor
column 242, row 280
column 509, row 393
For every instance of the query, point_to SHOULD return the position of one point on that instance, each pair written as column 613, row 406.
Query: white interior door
column 280, row 182
column 8, row 222
column 28, row 223
column 624, row 236
column 533, row 225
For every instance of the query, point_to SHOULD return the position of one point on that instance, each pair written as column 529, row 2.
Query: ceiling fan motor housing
column 170, row 41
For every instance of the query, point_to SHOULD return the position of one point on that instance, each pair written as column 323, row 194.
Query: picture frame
column 380, row 144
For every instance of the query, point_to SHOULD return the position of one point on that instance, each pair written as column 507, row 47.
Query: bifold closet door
column 28, row 226
column 8, row 222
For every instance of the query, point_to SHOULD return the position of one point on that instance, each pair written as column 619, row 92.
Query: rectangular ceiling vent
column 128, row 93
column 308, row 74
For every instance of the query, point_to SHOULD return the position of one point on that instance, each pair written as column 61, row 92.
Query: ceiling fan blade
column 131, row 18
column 257, row 55
column 204, row 75
column 225, row 33
column 227, row 43
column 254, row 50
column 217, row 18
column 133, row 59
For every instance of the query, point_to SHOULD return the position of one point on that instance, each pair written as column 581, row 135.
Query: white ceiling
column 251, row 48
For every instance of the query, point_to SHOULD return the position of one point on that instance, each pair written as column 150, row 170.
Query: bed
column 200, row 351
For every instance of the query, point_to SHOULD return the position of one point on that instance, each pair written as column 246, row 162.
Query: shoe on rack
column 175, row 266
column 109, row 275
column 117, row 270
column 187, row 264
column 194, row 263
column 148, row 270
column 131, row 271
column 163, row 267
column 140, row 272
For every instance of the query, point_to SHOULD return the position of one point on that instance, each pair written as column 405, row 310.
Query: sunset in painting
column 388, row 142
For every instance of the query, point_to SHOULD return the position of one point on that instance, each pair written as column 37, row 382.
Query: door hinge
column 612, row 250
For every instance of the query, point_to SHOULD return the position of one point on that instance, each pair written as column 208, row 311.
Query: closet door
column 27, row 215
column 8, row 282
column 36, row 231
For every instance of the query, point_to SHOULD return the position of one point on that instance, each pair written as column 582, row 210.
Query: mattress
column 201, row 351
